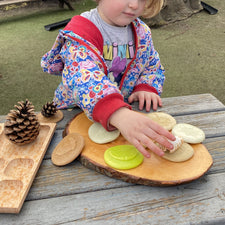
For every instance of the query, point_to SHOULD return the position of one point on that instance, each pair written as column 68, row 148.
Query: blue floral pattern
column 84, row 81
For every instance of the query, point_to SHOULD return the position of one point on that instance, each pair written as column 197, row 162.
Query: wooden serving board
column 18, row 167
column 154, row 171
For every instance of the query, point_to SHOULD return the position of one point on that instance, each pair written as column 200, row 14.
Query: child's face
column 120, row 12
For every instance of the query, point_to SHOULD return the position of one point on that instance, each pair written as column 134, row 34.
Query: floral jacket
column 77, row 56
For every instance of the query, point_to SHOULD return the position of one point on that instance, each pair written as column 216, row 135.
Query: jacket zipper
column 128, row 66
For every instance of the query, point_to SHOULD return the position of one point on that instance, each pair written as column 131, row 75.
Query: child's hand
column 147, row 98
column 139, row 130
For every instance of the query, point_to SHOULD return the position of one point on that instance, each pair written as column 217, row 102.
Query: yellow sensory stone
column 123, row 157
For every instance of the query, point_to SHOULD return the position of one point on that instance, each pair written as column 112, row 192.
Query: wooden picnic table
column 74, row 194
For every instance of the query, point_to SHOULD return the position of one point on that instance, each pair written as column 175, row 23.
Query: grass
column 192, row 52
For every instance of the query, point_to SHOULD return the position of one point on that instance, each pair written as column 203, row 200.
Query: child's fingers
column 141, row 149
column 163, row 141
column 141, row 98
column 160, row 101
column 156, row 101
column 162, row 134
column 141, row 132
column 146, row 139
column 154, row 148
column 148, row 143
column 131, row 99
column 148, row 104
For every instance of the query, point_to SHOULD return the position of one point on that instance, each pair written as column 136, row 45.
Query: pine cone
column 49, row 109
column 22, row 126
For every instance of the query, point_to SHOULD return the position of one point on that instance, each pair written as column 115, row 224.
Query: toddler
column 107, row 60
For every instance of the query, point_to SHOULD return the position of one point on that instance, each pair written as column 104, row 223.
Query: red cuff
column 106, row 107
column 145, row 87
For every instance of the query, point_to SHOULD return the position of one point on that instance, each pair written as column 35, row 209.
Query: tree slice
column 58, row 116
column 154, row 171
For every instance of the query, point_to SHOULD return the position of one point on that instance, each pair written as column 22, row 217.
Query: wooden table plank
column 175, row 106
column 45, row 184
column 192, row 104
column 68, row 115
column 216, row 147
column 199, row 202
column 183, row 105
column 53, row 181
column 75, row 194
column 54, row 142
column 2, row 118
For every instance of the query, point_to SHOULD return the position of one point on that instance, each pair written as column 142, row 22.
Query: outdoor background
column 192, row 52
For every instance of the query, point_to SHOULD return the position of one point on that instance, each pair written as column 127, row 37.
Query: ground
column 192, row 52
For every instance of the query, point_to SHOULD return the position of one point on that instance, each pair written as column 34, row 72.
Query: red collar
column 87, row 30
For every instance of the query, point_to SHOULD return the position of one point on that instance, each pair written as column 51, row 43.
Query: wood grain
column 199, row 202
column 68, row 149
column 18, row 167
column 53, row 181
column 190, row 104
column 154, row 171
column 58, row 116
column 75, row 194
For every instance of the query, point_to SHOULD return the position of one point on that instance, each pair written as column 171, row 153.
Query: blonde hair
column 152, row 7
